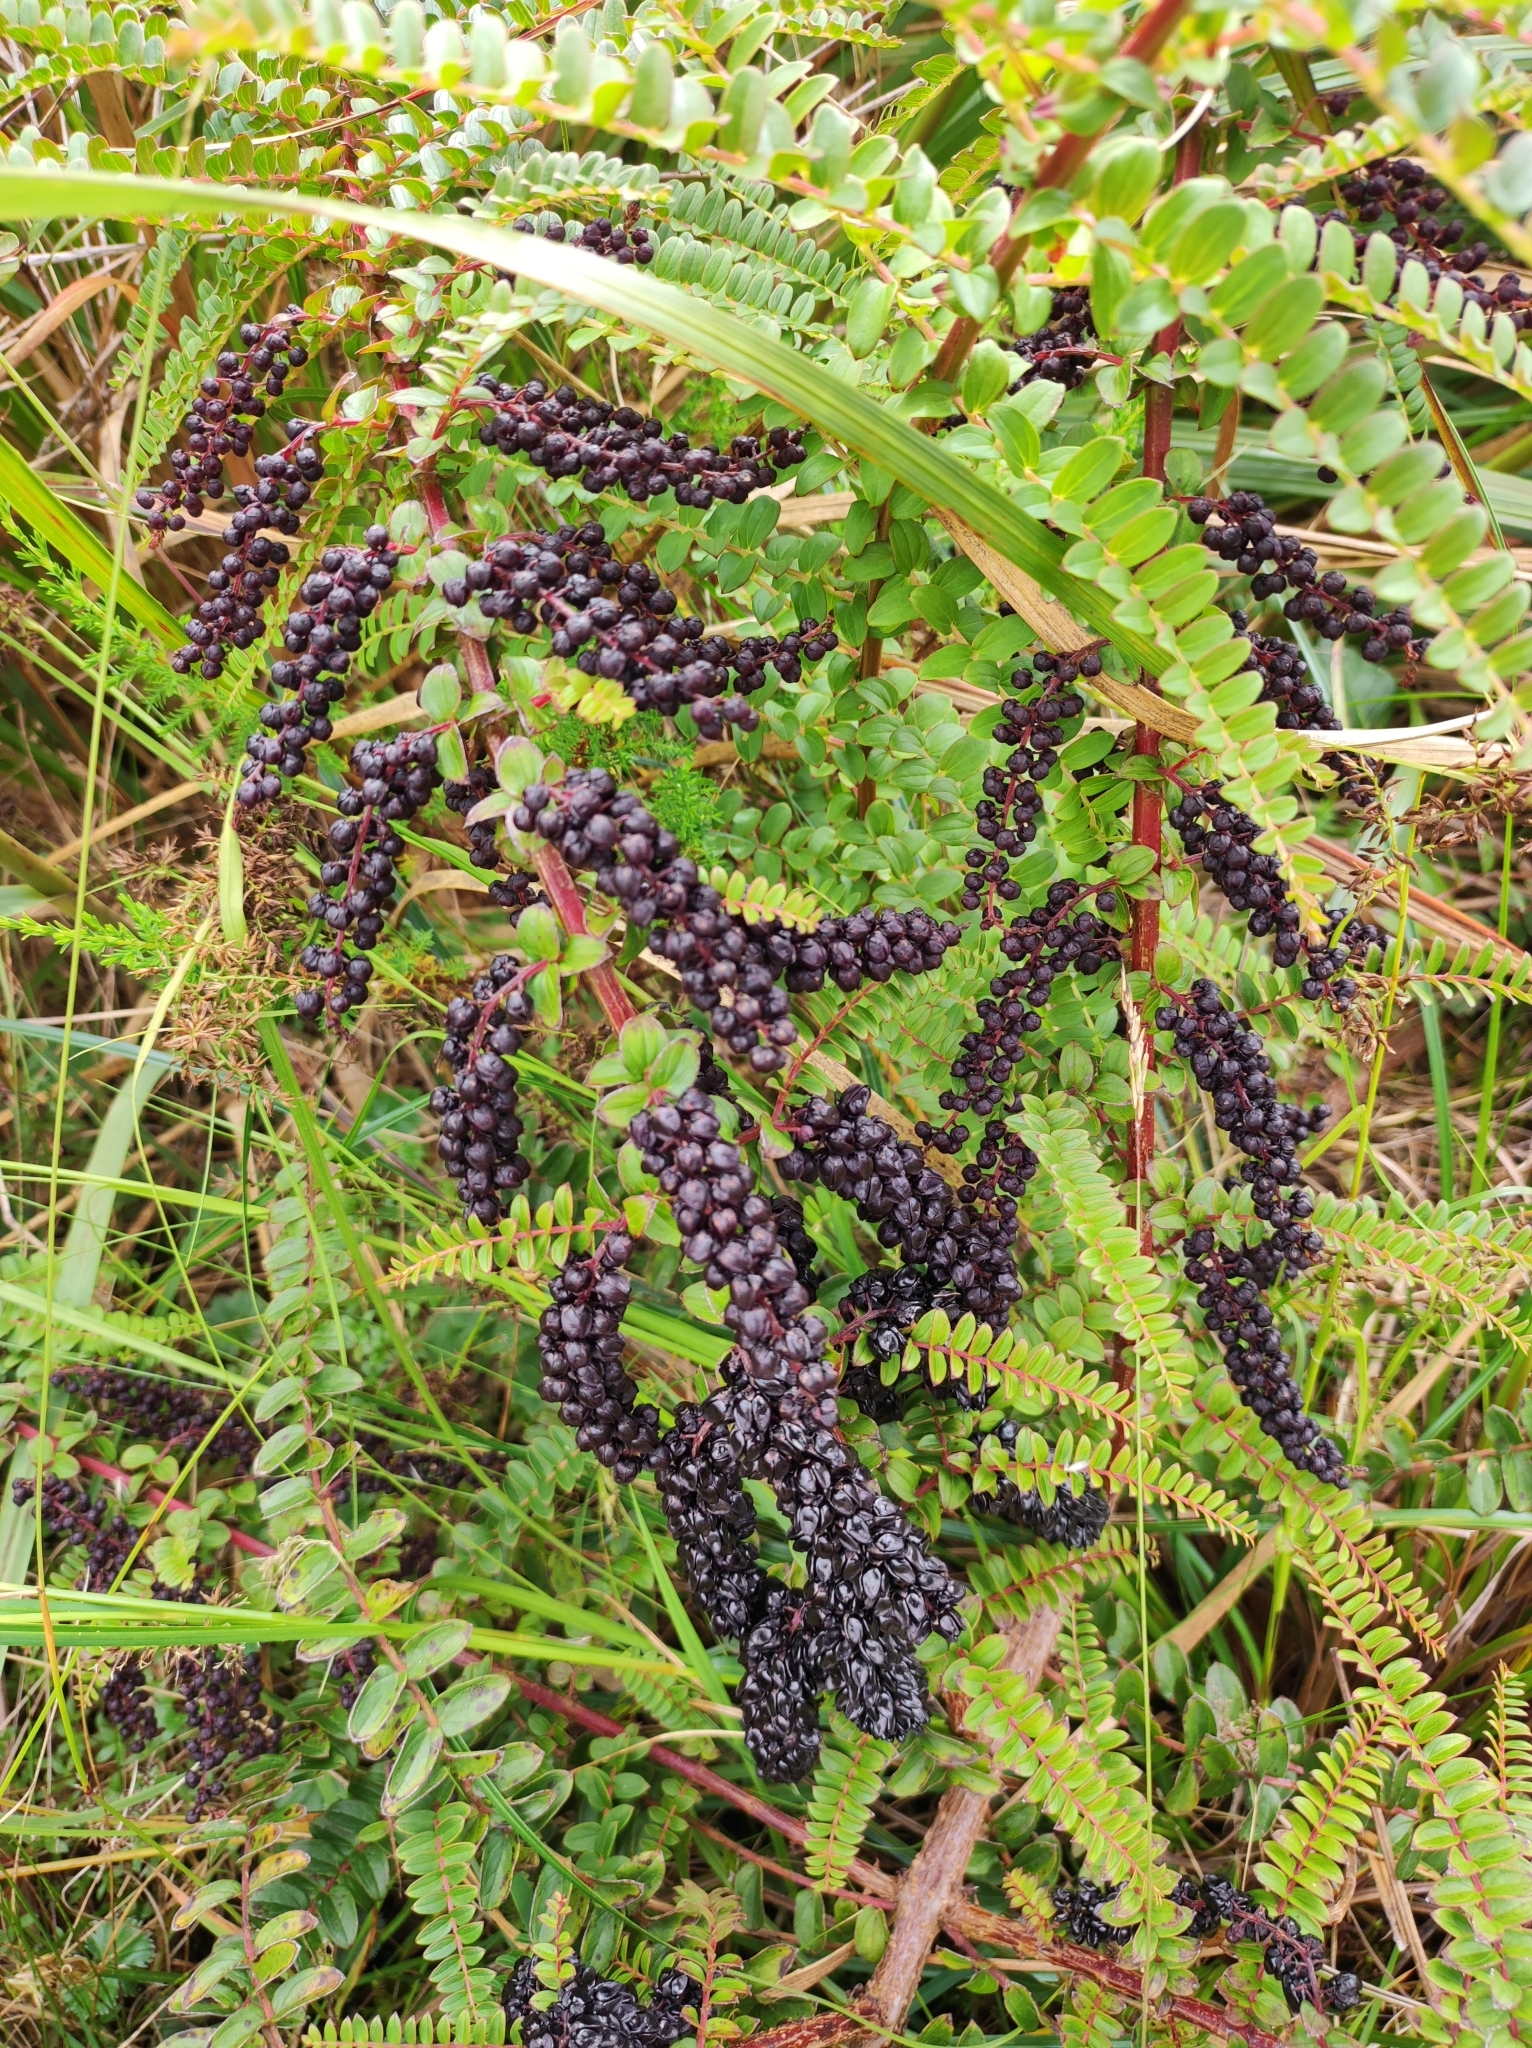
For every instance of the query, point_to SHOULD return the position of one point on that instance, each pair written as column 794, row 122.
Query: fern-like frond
column 1082, row 1782
column 1510, row 1743
column 1108, row 1246
column 436, row 1850
column 846, row 1784
column 1338, row 1540
column 1323, row 1820
column 1032, row 1378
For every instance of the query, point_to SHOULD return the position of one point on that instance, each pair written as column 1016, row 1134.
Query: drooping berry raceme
column 167, row 1412
column 615, row 448
column 68, row 1511
column 967, row 1253
column 319, row 639
column 227, row 1720
column 592, row 2012
column 229, row 400
column 231, row 614
column 730, row 969
column 1405, row 189
column 619, row 622
column 1230, row 1063
column 873, row 1591
column 710, row 1515
column 1242, row 530
column 1292, row 1957
column 1222, row 838
column 479, row 1139
column 579, row 1338
column 398, row 778
column 628, row 240
column 127, row 1706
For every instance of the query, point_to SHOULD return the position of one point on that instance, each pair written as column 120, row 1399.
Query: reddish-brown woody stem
column 558, row 883
column 1058, row 168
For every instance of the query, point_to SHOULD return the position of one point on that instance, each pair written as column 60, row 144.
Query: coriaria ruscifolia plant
column 398, row 778
column 615, row 448
column 480, row 1128
column 1292, row 1957
column 1230, row 1062
column 619, row 622
column 319, row 639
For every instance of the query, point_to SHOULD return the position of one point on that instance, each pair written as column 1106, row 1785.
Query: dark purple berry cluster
column 70, row 1513
column 1065, row 350
column 709, row 1513
column 627, row 240
column 966, row 1250
column 593, row 2012
column 579, row 1340
column 873, row 1592
column 615, row 448
column 1005, row 819
column 1222, row 837
column 1077, row 1910
column 227, row 1720
column 398, row 778
column 479, row 1141
column 1286, row 682
column 163, row 1411
column 729, row 969
column 515, row 891
column 1229, row 1062
column 127, row 1706
column 483, row 833
column 1074, row 1520
column 618, row 621
column 1291, row 1956
column 319, row 639
column 1407, row 191
column 1242, row 530
column 219, row 424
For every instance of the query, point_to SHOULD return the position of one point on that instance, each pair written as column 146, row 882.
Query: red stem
column 156, row 1494
column 558, row 883
column 1058, row 168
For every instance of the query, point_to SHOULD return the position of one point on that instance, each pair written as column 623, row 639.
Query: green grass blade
column 47, row 514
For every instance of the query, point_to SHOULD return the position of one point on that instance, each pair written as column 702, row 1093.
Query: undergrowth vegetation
column 762, row 1013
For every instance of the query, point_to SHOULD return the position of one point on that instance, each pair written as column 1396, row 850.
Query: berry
column 618, row 621
column 1229, row 1061
column 319, row 639
column 480, row 1131
column 615, row 448
column 1222, row 838
column 579, row 1339
column 398, row 778
column 1291, row 1956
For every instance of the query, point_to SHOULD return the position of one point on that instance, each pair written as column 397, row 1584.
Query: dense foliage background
column 1090, row 447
